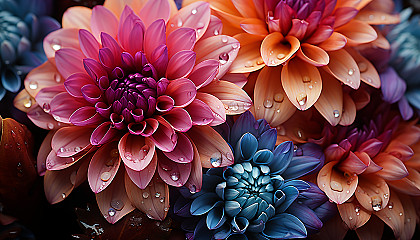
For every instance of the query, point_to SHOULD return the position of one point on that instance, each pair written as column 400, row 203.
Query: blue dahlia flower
column 259, row 196
column 401, row 82
column 23, row 26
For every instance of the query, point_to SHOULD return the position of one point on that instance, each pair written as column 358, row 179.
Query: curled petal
column 313, row 55
column 276, row 49
column 164, row 137
column 249, row 56
column 183, row 151
column 349, row 111
column 391, row 216
column 335, row 42
column 393, row 168
column 68, row 141
column 103, row 134
column 69, row 61
column 136, row 151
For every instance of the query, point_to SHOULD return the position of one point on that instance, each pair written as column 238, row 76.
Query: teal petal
column 291, row 194
column 264, row 157
column 215, row 218
column 232, row 208
column 284, row 226
column 204, row 203
column 10, row 80
column 282, row 156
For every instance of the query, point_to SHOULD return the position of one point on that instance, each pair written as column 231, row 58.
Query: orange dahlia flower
column 310, row 42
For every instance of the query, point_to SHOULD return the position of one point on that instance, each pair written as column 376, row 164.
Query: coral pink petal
column 343, row 67
column 358, row 32
column 164, row 137
column 173, row 173
column 142, row 178
column 353, row 219
column 63, row 105
column 92, row 93
column 372, row 190
column 53, row 162
column 221, row 48
column 195, row 16
column 296, row 78
column 43, row 152
column 77, row 17
column 164, row 103
column 214, row 28
column 343, row 15
column 75, row 82
column 393, row 168
column 335, row 185
column 182, row 90
column 154, row 37
column 154, row 10
column 330, row 102
column 86, row 116
column 103, row 167
column 151, row 125
column 113, row 201
column 136, row 151
column 42, row 119
column 239, row 79
column 409, row 185
column 68, row 141
column 349, row 110
column 270, row 99
column 43, row 76
column 179, row 119
column 200, row 112
column 216, row 106
column 334, row 152
column 183, row 151
column 249, row 57
column 213, row 149
column 195, row 180
column 181, row 39
column 371, row 147
column 368, row 73
column 204, row 72
column 234, row 99
column 103, row 21
column 69, row 61
column 109, row 42
column 104, row 133
column 62, row 38
column 155, row 207
column 130, row 28
column 180, row 64
column 136, row 38
column 254, row 26
column 322, row 34
column 352, row 164
column 45, row 96
column 313, row 55
column 391, row 216
column 88, row 44
column 335, row 42
column 94, row 69
column 373, row 167
column 298, row 29
column 400, row 150
column 276, row 49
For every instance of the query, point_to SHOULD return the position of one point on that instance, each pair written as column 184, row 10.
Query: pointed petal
column 330, row 102
column 335, row 42
column 181, row 39
column 173, row 173
column 391, row 215
column 77, row 17
column 353, row 215
column 136, row 151
column 349, row 111
column 180, row 64
column 357, row 32
column 254, row 26
column 372, row 190
column 45, row 75
column 195, row 180
column 204, row 72
column 182, row 90
column 216, row 106
column 165, row 138
column 110, row 26
column 68, row 141
column 154, row 10
column 313, row 55
column 284, row 225
column 183, row 151
column 393, row 168
column 69, row 61
column 142, row 178
column 368, row 73
column 274, row 52
column 62, row 38
column 249, row 57
column 344, row 68
column 88, row 44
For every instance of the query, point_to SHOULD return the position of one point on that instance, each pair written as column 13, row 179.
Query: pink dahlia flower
column 130, row 91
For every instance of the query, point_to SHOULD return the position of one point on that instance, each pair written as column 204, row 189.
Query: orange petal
column 408, row 135
column 246, row 8
column 391, row 214
column 62, row 38
column 337, row 187
column 59, row 184
column 368, row 73
column 357, row 32
column 254, row 26
column 409, row 185
column 353, row 214
column 343, row 67
column 270, row 99
column 276, row 49
column 360, row 3
column 330, row 102
column 377, row 18
column 43, row 152
column 117, row 6
column 372, row 230
column 335, row 42
column 409, row 214
column 381, row 41
column 302, row 83
column 153, row 200
column 234, row 99
column 41, row 77
column 399, row 150
column 372, row 192
column 213, row 149
column 313, row 55
column 393, row 168
column 195, row 180
column 23, row 101
column 349, row 111
column 113, row 200
column 249, row 57
column 77, row 17
column 361, row 98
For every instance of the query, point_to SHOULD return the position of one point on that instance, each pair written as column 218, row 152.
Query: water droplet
column 46, row 107
column 351, row 72
column 62, row 149
column 386, row 195
column 194, row 11
column 279, row 97
column 390, row 205
column 128, row 156
column 224, row 39
column 162, row 200
column 336, row 186
column 57, row 78
column 357, row 209
column 55, row 44
column 77, row 149
column 369, row 79
column 63, row 195
column 401, row 213
column 175, row 176
column 371, row 17
column 235, row 45
column 223, row 58
column 280, row 56
column 179, row 24
column 306, row 79
column 336, row 113
column 350, row 218
column 216, row 32
column 172, row 25
column 145, row 194
column 216, row 159
column 111, row 212
column 268, row 103
column 301, row 99
column 33, row 85
column 362, row 66
column 117, row 204
column 249, row 64
column 157, row 194
column 272, row 62
column 376, row 202
column 192, row 188
column 105, row 176
column 27, row 102
column 229, row 156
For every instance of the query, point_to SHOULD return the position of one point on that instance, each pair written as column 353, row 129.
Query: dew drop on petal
column 390, row 205
column 301, row 99
column 223, row 58
column 194, row 11
column 351, row 72
column 175, row 176
column 249, row 64
column 306, row 79
column 280, row 56
column 55, row 44
column 46, row 107
column 117, row 204
column 336, row 186
column 105, row 176
column 73, row 176
column 162, row 199
column 224, row 39
column 336, row 113
column 157, row 194
column 279, row 97
column 111, row 212
column 33, row 85
column 401, row 213
column 192, row 188
column 27, row 102
column 63, row 195
column 268, row 103
column 376, row 202
column 145, row 194
column 216, row 159
column 216, row 32
column 179, row 24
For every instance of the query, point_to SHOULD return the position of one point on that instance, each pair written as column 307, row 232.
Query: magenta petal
column 88, row 44
column 150, row 128
column 181, row 39
column 334, row 152
column 164, row 137
column 75, row 82
column 127, row 61
column 204, row 72
column 86, row 116
column 164, row 103
column 53, row 162
column 142, row 178
column 214, row 28
column 68, row 141
column 371, row 147
column 155, row 10
column 159, row 59
column 92, row 93
column 155, row 36
column 107, row 58
column 109, row 42
column 181, row 64
column 69, row 61
column 103, row 167
column 104, row 133
column 313, row 19
column 94, row 69
column 284, row 13
column 135, row 43
column 183, row 151
column 299, row 28
column 216, row 106
column 127, row 20
column 179, row 119
column 200, row 112
column 174, row 174
column 103, row 20
column 182, row 90
column 322, row 33
column 136, row 151
column 353, row 164
column 63, row 105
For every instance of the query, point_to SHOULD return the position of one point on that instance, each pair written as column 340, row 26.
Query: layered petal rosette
column 311, row 45
column 370, row 172
column 258, row 197
column 130, row 93
column 24, row 24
